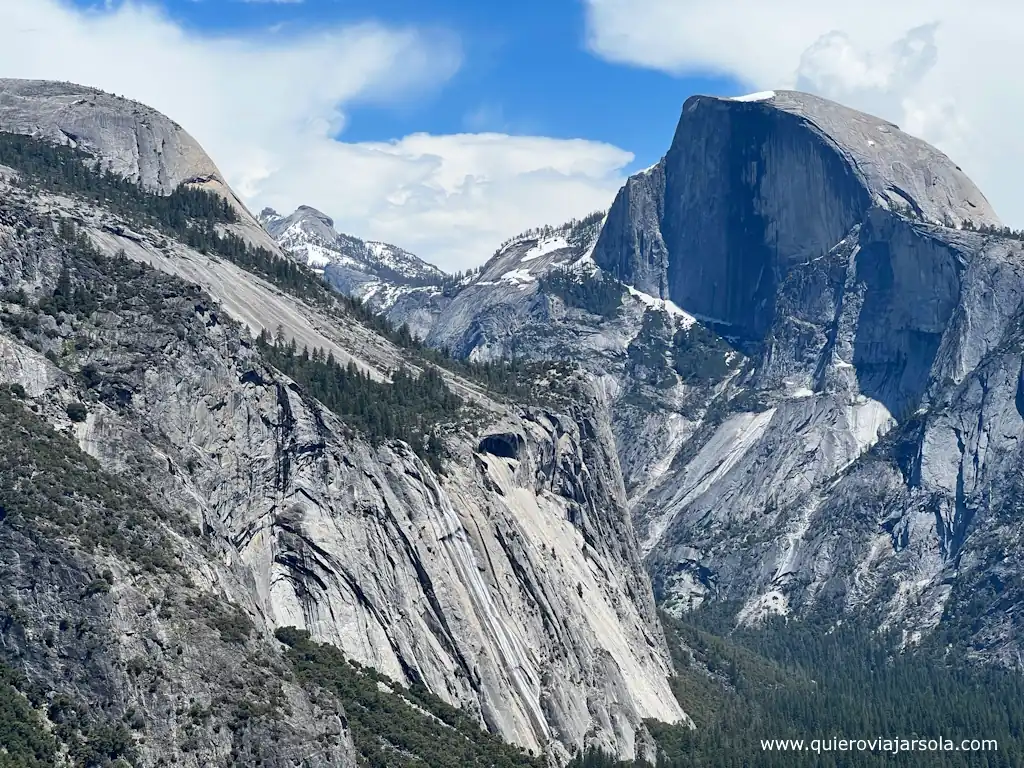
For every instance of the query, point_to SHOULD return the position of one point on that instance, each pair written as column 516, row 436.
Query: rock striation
column 509, row 585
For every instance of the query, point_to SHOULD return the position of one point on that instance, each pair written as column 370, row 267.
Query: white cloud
column 944, row 70
column 268, row 106
column 451, row 198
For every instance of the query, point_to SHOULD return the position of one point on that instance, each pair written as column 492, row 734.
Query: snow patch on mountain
column 517, row 276
column 663, row 305
column 759, row 96
column 309, row 236
column 545, row 247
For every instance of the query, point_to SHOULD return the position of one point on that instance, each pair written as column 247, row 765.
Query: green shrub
column 77, row 412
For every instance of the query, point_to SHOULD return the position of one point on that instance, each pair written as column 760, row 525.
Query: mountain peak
column 133, row 140
column 754, row 186
column 308, row 211
column 129, row 139
column 899, row 171
column 309, row 235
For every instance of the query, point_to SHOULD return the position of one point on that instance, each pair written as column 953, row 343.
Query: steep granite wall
column 753, row 188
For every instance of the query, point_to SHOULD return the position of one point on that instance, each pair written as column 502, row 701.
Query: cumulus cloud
column 271, row 109
column 942, row 69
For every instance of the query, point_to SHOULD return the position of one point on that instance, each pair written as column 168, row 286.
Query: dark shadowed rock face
column 749, row 190
column 868, row 457
column 633, row 228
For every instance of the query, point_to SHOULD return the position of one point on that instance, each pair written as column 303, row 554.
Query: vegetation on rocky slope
column 197, row 218
column 102, row 634
column 40, row 731
column 394, row 726
column 410, row 407
column 700, row 356
column 596, row 294
column 48, row 487
column 815, row 679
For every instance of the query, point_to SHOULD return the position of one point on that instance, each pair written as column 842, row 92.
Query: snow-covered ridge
column 545, row 246
column 550, row 238
column 517, row 276
column 311, row 238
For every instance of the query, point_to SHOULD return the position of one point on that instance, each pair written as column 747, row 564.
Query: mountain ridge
column 469, row 579
column 860, row 283
column 825, row 421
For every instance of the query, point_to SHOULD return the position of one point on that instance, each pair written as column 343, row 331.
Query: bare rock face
column 634, row 227
column 509, row 585
column 865, row 459
column 752, row 188
column 857, row 448
column 133, row 141
column 129, row 138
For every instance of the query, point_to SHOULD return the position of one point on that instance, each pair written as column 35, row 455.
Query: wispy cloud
column 268, row 106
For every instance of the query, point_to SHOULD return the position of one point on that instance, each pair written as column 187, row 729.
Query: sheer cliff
column 497, row 570
column 749, row 189
column 802, row 324
column 878, row 299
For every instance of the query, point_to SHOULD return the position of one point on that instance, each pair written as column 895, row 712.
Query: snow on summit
column 310, row 236
column 759, row 96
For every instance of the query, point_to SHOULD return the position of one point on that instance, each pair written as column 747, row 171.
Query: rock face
column 509, row 584
column 631, row 245
column 310, row 234
column 389, row 280
column 844, row 257
column 857, row 448
column 750, row 189
column 130, row 139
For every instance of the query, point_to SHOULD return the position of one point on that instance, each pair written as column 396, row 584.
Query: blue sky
column 447, row 126
column 525, row 70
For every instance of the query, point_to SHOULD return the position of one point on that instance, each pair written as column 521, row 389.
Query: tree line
column 411, row 408
column 816, row 678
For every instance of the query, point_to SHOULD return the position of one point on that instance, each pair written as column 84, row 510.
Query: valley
column 738, row 458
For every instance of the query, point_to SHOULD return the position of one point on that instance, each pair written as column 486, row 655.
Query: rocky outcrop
column 753, row 188
column 631, row 245
column 509, row 586
column 129, row 138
